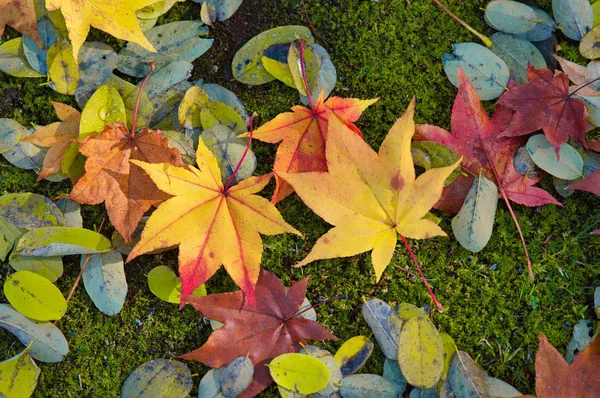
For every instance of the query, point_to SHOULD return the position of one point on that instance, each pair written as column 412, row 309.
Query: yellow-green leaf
column 18, row 376
column 34, row 296
column 353, row 354
column 312, row 65
column 408, row 311
column 421, row 353
column 63, row 71
column 299, row 373
column 105, row 106
column 13, row 61
column 449, row 349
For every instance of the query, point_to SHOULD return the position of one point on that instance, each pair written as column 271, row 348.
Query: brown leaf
column 58, row 137
column 111, row 178
column 271, row 328
column 20, row 15
column 555, row 378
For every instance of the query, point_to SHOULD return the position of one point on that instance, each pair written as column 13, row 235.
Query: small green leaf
column 210, row 385
column 474, row 223
column 408, row 311
column 366, row 385
column 510, row 16
column 104, row 280
column 30, row 211
column 105, row 106
column 13, row 61
column 335, row 373
column 568, row 167
column 61, row 241
column 19, row 376
column 50, row 268
column 300, row 373
column 449, row 350
column 165, row 285
column 34, row 296
column 11, row 132
column 421, row 353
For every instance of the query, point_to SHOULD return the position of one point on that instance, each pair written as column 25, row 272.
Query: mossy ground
column 390, row 49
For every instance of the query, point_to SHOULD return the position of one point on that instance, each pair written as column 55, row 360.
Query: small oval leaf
column 210, row 385
column 353, row 354
column 366, row 385
column 300, row 373
column 335, row 373
column 392, row 372
column 474, row 223
column 485, row 70
column 34, row 296
column 421, row 353
column 30, row 211
column 510, row 16
column 48, row 344
column 466, row 378
column 570, row 165
column 236, row 377
column 104, row 280
column 18, row 376
column 376, row 314
column 63, row 71
column 158, row 378
column 61, row 241
column 575, row 16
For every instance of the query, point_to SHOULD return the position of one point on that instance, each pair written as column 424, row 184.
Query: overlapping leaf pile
column 190, row 158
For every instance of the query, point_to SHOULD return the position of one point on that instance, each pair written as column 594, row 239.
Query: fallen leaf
column 203, row 214
column 554, row 377
column 263, row 331
column 109, row 177
column 370, row 197
column 116, row 17
column 474, row 135
column 20, row 15
column 545, row 103
column 158, row 378
column 303, row 135
column 589, row 184
column 58, row 137
column 575, row 16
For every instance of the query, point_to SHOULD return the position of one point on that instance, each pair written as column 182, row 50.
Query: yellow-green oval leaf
column 353, row 354
column 34, row 296
column 449, row 349
column 299, row 373
column 61, row 241
column 62, row 68
column 421, row 353
column 105, row 106
column 18, row 376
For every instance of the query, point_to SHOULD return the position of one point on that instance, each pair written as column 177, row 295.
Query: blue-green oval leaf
column 510, row 16
column 575, row 16
column 517, row 54
column 568, row 167
column 104, row 280
column 158, row 378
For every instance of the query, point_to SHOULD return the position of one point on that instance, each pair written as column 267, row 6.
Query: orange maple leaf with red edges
column 555, row 378
column 57, row 136
column 109, row 176
column 303, row 136
column 20, row 15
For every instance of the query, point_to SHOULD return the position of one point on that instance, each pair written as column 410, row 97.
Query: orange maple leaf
column 58, row 137
column 555, row 378
column 20, row 15
column 303, row 136
column 213, row 224
column 109, row 177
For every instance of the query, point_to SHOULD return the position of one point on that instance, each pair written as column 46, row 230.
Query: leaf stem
column 329, row 300
column 303, row 68
column 137, row 102
column 584, row 85
column 312, row 27
column 237, row 168
column 414, row 258
column 486, row 40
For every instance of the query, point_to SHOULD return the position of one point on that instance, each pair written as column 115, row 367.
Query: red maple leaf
column 268, row 329
column 474, row 135
column 545, row 103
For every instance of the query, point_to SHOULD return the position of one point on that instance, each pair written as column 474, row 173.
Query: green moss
column 388, row 49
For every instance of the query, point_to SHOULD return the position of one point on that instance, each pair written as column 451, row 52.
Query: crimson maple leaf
column 474, row 135
column 268, row 329
column 545, row 103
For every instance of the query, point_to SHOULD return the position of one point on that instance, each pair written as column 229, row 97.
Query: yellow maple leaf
column 116, row 17
column 370, row 198
column 213, row 224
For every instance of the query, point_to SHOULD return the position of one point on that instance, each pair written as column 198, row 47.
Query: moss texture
column 389, row 49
